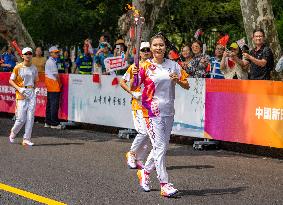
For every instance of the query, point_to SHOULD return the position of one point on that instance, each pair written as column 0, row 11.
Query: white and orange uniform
column 25, row 77
column 158, row 107
column 139, row 145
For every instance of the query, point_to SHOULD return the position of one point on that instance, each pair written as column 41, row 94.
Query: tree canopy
column 68, row 22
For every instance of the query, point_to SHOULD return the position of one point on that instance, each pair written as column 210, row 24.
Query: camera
column 118, row 47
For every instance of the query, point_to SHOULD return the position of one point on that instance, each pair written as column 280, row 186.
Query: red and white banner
column 115, row 63
column 8, row 97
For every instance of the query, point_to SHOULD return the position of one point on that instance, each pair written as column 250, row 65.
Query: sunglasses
column 28, row 54
column 145, row 50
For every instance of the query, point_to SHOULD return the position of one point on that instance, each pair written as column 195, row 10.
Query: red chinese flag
column 174, row 55
column 208, row 68
column 115, row 81
column 96, row 78
column 231, row 64
column 224, row 40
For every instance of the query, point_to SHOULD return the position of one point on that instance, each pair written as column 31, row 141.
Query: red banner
column 8, row 98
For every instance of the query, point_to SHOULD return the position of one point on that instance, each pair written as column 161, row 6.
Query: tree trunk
column 149, row 9
column 259, row 13
column 11, row 26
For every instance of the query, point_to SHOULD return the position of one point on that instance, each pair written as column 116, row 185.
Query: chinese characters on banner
column 268, row 113
column 115, row 101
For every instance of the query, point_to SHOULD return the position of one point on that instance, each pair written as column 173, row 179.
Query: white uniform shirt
column 28, row 74
column 51, row 69
column 159, row 90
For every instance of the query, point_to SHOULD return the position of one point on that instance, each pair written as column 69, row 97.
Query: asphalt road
column 77, row 166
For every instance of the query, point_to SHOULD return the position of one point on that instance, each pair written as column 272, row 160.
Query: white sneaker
column 27, row 142
column 46, row 125
column 12, row 137
column 59, row 127
column 168, row 190
column 131, row 160
column 144, row 180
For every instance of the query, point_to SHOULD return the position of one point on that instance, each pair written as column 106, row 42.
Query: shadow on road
column 57, row 144
column 208, row 192
column 190, row 167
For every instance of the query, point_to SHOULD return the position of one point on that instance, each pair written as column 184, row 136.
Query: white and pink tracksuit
column 158, row 100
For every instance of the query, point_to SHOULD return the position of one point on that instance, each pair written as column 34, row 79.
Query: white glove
column 36, row 91
column 28, row 93
column 136, row 95
column 21, row 90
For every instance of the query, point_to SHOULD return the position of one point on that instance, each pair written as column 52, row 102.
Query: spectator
column 215, row 71
column 232, row 65
column 186, row 56
column 103, row 38
column 9, row 60
column 261, row 58
column 197, row 66
column 60, row 63
column 84, row 62
column 67, row 63
column 53, row 85
column 38, row 60
column 101, row 54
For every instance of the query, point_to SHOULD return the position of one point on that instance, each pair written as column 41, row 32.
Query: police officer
column 84, row 62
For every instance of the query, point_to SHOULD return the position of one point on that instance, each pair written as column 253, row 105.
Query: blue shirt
column 100, row 60
column 9, row 59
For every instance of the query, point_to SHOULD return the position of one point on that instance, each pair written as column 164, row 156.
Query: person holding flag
column 232, row 65
column 159, row 77
column 139, row 146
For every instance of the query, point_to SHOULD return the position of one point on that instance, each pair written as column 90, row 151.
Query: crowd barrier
column 241, row 111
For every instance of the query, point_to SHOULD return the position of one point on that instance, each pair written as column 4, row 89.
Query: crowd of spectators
column 229, row 61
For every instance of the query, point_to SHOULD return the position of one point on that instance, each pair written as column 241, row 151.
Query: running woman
column 24, row 78
column 139, row 146
column 159, row 77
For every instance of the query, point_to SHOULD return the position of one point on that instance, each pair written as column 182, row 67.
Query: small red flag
column 224, row 40
column 115, row 81
column 96, row 78
column 173, row 55
column 231, row 64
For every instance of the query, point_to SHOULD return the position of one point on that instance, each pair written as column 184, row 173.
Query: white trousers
column 159, row 130
column 141, row 141
column 25, row 115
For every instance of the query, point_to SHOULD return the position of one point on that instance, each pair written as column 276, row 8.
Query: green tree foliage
column 185, row 17
column 68, row 22
column 278, row 14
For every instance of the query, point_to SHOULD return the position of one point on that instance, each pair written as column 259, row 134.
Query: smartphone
column 118, row 47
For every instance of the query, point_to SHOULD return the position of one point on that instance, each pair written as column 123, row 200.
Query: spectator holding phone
column 101, row 54
column 232, row 65
column 197, row 66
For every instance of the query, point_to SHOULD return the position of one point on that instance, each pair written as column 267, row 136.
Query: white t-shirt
column 51, row 68
column 27, row 74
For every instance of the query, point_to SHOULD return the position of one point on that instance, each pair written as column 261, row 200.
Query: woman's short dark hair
column 259, row 30
column 198, row 42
